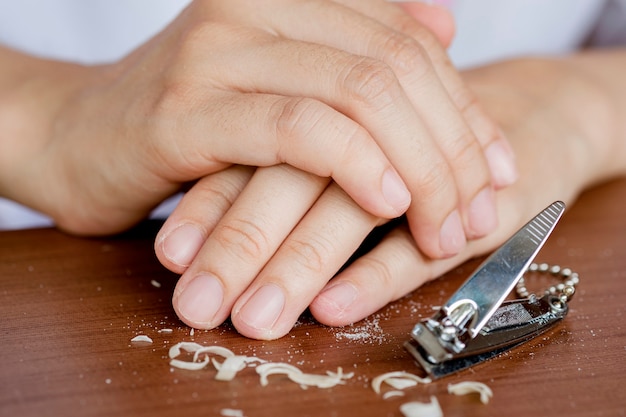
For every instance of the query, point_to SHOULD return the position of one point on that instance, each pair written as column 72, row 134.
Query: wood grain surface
column 69, row 308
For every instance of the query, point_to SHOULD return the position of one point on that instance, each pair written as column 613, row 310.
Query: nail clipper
column 476, row 324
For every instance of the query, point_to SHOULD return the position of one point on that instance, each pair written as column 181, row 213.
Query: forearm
column 580, row 100
column 605, row 124
column 32, row 91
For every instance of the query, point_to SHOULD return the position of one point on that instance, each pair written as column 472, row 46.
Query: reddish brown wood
column 69, row 307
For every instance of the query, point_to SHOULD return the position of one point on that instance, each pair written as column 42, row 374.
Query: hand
column 223, row 85
column 532, row 100
column 271, row 236
column 451, row 190
column 218, row 281
column 256, row 230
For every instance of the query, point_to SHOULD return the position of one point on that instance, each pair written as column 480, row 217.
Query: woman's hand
column 425, row 131
column 228, row 235
column 566, row 122
column 354, row 90
column 532, row 99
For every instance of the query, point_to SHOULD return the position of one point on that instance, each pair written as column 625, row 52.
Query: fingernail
column 339, row 296
column 182, row 244
column 482, row 215
column 501, row 161
column 264, row 307
column 201, row 299
column 395, row 192
column 452, row 235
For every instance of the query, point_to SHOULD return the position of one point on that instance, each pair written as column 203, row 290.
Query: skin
column 572, row 110
column 351, row 120
column 380, row 108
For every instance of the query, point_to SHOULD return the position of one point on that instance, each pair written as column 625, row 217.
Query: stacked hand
column 260, row 245
column 296, row 128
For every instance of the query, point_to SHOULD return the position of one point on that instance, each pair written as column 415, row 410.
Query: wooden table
column 69, row 308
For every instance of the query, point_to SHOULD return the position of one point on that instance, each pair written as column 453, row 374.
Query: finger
column 311, row 136
column 410, row 60
column 396, row 267
column 436, row 18
column 368, row 92
column 188, row 226
column 498, row 151
column 437, row 226
column 389, row 271
column 273, row 202
column 308, row 258
column 266, row 129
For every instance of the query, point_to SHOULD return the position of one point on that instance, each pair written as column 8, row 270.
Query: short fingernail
column 264, row 307
column 483, row 218
column 339, row 297
column 201, row 299
column 395, row 192
column 501, row 161
column 182, row 244
column 452, row 236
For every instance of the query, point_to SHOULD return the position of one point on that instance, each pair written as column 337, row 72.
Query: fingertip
column 452, row 235
column 199, row 302
column 482, row 213
column 502, row 164
column 261, row 315
column 333, row 305
column 395, row 192
column 176, row 248
column 442, row 243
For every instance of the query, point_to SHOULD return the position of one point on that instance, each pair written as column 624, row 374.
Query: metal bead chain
column 563, row 291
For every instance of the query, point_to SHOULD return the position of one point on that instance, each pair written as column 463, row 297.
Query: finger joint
column 244, row 239
column 371, row 82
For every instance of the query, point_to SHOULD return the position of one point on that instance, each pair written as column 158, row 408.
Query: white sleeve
column 491, row 30
column 85, row 31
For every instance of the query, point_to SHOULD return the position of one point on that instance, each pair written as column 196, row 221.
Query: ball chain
column 563, row 291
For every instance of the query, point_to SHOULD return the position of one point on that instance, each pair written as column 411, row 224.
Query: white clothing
column 489, row 30
column 97, row 31
column 85, row 31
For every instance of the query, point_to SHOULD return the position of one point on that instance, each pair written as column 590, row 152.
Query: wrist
column 602, row 115
column 32, row 92
column 541, row 98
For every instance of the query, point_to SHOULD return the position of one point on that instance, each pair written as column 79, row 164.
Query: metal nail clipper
column 476, row 324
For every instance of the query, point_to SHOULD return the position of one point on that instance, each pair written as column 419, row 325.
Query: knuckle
column 405, row 55
column 311, row 254
column 464, row 99
column 381, row 271
column 301, row 122
column 433, row 181
column 370, row 81
column 420, row 33
column 296, row 117
column 221, row 196
column 485, row 131
column 465, row 149
column 427, row 40
column 490, row 133
column 244, row 239
column 468, row 104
